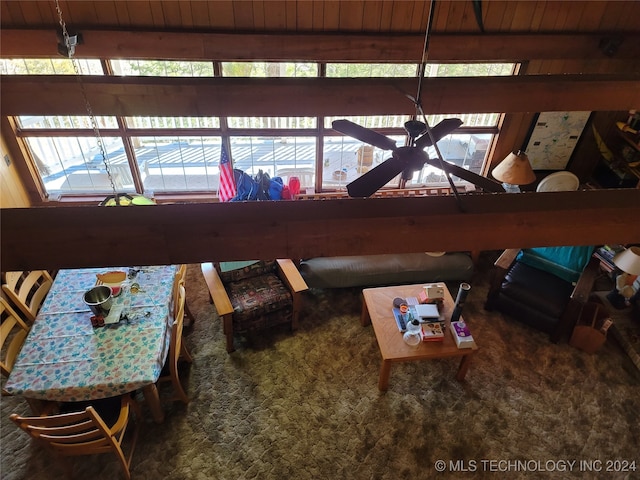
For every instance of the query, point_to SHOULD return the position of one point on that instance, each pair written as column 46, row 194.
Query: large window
column 181, row 154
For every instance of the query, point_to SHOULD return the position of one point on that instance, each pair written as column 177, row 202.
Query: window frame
column 126, row 133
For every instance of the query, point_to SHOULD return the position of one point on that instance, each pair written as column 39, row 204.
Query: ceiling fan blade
column 369, row 183
column 485, row 183
column 363, row 134
column 444, row 128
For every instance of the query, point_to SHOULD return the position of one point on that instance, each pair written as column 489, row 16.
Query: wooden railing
column 398, row 192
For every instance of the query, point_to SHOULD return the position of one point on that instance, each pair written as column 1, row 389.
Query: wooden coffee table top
column 379, row 302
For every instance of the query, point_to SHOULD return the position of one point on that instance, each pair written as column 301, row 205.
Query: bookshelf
column 623, row 171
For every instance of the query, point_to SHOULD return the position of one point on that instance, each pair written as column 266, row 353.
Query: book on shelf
column 462, row 335
column 432, row 332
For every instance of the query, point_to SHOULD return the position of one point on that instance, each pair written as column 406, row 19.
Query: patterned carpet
column 306, row 406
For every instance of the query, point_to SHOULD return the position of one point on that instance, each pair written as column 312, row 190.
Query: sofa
column 386, row 269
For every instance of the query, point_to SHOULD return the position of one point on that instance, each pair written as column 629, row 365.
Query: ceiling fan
column 411, row 158
column 407, row 159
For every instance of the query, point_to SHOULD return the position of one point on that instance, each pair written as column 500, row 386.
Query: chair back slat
column 82, row 433
column 27, row 290
column 177, row 349
column 13, row 332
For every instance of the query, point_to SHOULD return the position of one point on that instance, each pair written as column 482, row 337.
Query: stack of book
column 432, row 322
column 605, row 254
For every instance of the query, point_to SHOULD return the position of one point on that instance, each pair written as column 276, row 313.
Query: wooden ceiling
column 303, row 16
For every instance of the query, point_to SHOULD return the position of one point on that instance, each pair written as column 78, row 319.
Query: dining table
column 67, row 358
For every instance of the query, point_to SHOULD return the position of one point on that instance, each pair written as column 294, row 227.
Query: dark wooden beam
column 51, row 238
column 348, row 47
column 130, row 96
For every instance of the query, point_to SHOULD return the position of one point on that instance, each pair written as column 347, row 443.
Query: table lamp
column 627, row 282
column 513, row 171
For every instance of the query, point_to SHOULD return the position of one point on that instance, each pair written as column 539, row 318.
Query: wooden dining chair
column 181, row 278
column 27, row 290
column 177, row 352
column 86, row 432
column 13, row 332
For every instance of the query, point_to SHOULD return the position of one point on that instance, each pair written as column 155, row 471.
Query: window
column 269, row 69
column 162, row 68
column 346, row 70
column 49, row 66
column 178, row 163
column 181, row 154
column 284, row 156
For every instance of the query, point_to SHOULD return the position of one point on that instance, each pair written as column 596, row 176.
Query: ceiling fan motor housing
column 415, row 128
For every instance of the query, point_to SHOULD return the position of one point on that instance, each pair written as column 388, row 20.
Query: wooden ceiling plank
column 522, row 15
column 468, row 22
column 80, row 14
column 258, row 15
column 507, row 19
column 31, row 13
column 419, row 17
column 401, row 16
column 538, row 16
column 615, row 14
column 440, row 17
column 157, row 14
column 304, row 17
column 140, row 14
column 550, row 17
column 351, row 15
column 591, row 15
column 221, row 15
column 385, row 16
column 291, row 16
column 243, row 16
column 186, row 15
column 124, row 19
column 92, row 236
column 493, row 13
column 107, row 13
column 172, row 14
column 574, row 18
column 331, row 16
column 13, row 11
column 47, row 12
column 275, row 16
column 200, row 14
column 318, row 16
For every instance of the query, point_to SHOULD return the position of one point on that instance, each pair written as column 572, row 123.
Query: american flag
column 227, row 189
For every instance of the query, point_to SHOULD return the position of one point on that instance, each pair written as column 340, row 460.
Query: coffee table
column 376, row 310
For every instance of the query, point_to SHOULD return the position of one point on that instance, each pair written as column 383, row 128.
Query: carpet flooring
column 305, row 405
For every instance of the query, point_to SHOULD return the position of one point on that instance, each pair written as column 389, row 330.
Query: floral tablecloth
column 64, row 358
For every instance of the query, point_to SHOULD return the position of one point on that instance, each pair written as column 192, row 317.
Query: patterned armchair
column 255, row 296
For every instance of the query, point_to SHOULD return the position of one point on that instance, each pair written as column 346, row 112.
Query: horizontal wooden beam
column 346, row 47
column 131, row 96
column 34, row 238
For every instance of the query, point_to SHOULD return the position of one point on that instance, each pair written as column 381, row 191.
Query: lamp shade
column 628, row 260
column 515, row 170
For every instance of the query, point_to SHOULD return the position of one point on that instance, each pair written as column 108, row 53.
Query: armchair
column 544, row 288
column 254, row 297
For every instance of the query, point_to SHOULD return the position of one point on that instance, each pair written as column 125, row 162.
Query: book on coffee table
column 428, row 312
column 432, row 332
